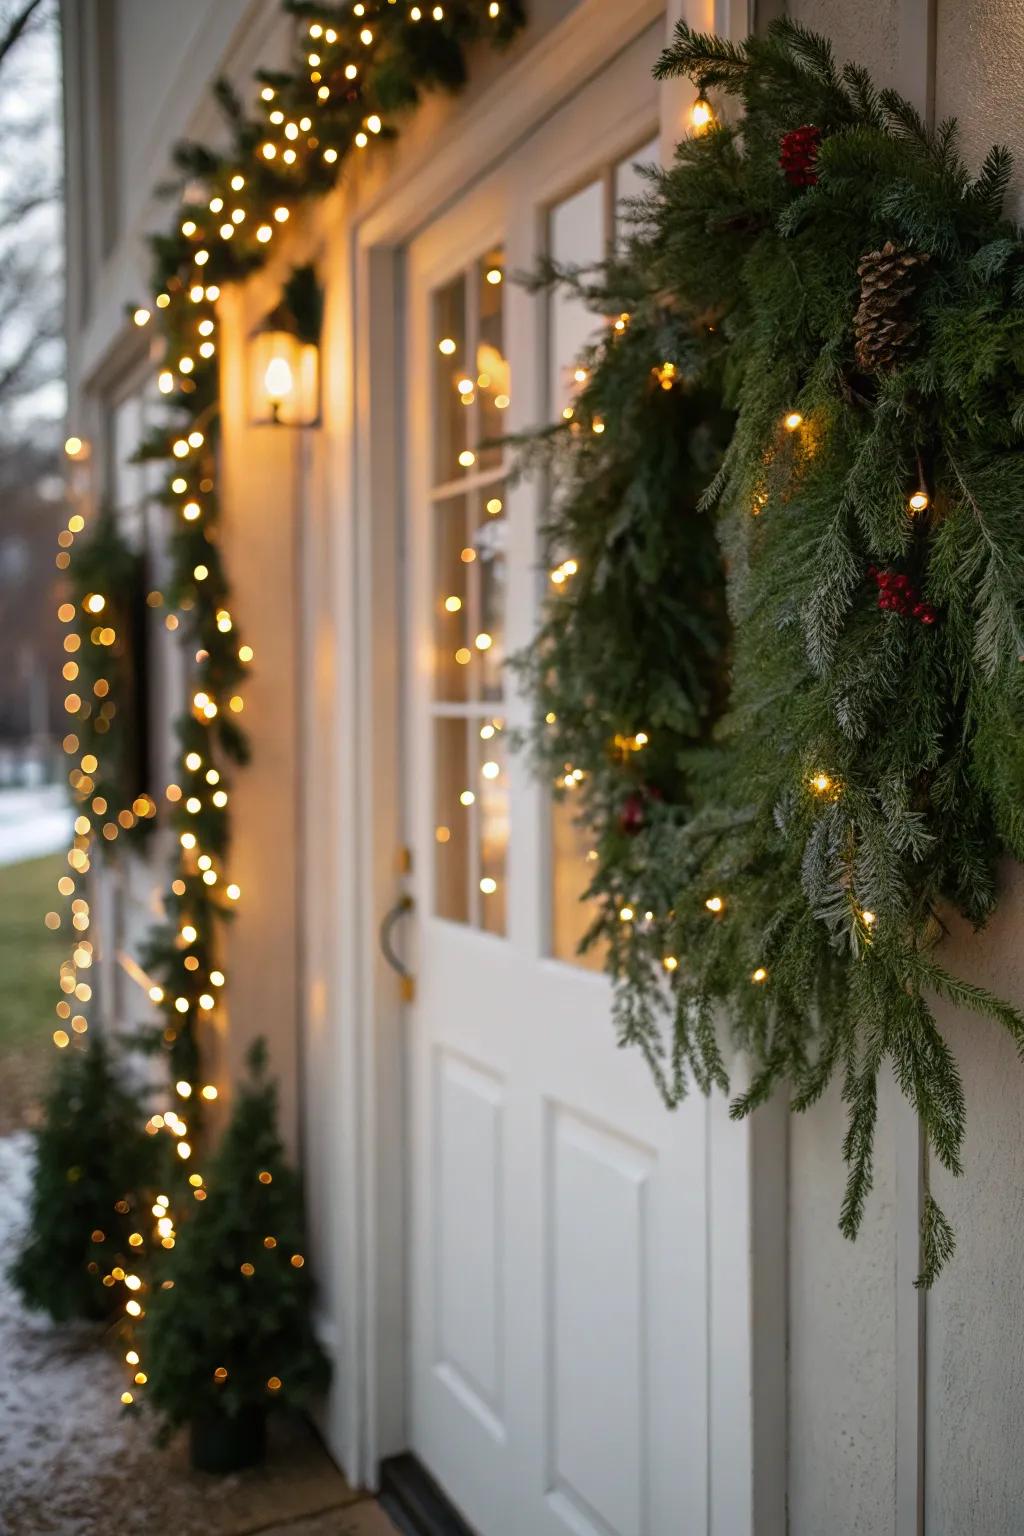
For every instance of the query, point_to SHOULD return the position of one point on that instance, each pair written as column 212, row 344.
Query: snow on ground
column 33, row 822
column 74, row 1463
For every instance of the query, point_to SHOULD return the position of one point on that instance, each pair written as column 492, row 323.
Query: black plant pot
column 221, row 1442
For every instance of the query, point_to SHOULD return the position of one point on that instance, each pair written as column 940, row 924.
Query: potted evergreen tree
column 228, row 1332
column 93, row 1164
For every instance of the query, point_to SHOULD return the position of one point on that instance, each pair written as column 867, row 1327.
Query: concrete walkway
column 365, row 1518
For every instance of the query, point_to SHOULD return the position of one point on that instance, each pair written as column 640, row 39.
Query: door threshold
column 417, row 1505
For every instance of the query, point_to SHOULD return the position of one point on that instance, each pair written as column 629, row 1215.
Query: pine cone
column 882, row 325
column 798, row 152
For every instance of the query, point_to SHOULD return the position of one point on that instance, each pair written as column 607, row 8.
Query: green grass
column 30, row 954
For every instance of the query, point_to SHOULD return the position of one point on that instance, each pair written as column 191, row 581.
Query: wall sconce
column 284, row 357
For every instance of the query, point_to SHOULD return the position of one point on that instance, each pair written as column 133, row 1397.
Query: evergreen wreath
column 105, row 669
column 869, row 295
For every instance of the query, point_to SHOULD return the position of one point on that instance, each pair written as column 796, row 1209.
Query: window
column 468, row 531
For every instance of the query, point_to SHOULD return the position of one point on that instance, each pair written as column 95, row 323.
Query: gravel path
column 73, row 1463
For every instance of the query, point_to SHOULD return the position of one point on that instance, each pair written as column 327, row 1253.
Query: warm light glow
column 918, row 501
column 759, row 975
column 701, row 114
column 714, row 904
column 792, row 421
column 670, row 963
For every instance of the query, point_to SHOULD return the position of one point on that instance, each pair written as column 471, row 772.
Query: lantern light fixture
column 284, row 357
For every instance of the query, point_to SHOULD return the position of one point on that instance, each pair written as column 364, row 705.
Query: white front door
column 557, row 1224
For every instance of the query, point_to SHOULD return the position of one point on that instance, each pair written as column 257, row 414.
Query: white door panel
column 558, row 1222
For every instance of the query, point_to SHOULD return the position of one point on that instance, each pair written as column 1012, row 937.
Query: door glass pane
column 629, row 183
column 468, row 576
column 490, row 537
column 451, row 434
column 492, row 373
column 493, row 825
column 570, row 876
column 453, row 600
column 453, row 820
column 577, row 234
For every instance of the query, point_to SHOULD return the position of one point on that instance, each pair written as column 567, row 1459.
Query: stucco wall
column 975, row 1315
column 861, row 31
column 979, row 56
column 842, row 1334
column 843, row 1343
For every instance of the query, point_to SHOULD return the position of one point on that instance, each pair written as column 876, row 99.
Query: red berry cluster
column 896, row 594
column 798, row 154
column 632, row 814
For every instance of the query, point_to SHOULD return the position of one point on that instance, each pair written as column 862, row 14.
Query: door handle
column 403, row 905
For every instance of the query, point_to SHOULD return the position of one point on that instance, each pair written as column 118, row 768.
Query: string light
column 918, row 501
column 702, row 114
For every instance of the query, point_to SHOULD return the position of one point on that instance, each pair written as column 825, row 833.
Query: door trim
column 414, row 1500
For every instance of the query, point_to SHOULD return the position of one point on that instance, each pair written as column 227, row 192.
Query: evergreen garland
column 870, row 297
column 105, row 671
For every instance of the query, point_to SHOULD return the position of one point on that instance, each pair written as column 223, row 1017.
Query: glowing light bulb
column 918, row 501
column 702, row 114
column 759, row 976
column 792, row 421
column 714, row 904
column 278, row 380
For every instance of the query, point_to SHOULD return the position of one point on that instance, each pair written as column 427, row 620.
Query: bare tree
column 31, row 368
column 30, row 245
